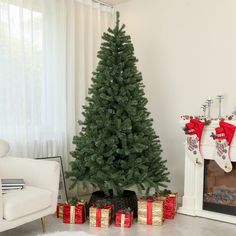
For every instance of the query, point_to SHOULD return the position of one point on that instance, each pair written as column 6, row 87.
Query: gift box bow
column 75, row 201
column 102, row 204
column 149, row 198
column 125, row 211
column 103, row 207
column 164, row 193
column 77, row 209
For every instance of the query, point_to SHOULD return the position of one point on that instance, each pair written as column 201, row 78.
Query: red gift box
column 124, row 219
column 169, row 205
column 74, row 214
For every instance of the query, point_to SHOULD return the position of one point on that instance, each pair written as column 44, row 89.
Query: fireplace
column 208, row 191
column 219, row 192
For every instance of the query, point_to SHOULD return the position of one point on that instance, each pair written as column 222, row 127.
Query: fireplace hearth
column 219, row 193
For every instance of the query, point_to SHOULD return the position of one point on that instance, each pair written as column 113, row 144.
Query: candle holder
column 220, row 98
column 204, row 108
column 209, row 102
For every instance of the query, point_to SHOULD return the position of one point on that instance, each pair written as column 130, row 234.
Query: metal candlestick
column 220, row 98
column 209, row 101
column 204, row 107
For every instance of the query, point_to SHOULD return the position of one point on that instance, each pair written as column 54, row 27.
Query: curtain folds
column 92, row 19
column 48, row 52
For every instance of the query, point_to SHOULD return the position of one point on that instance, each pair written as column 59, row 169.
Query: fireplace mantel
column 192, row 200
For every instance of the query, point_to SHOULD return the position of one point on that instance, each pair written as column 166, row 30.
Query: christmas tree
column 117, row 147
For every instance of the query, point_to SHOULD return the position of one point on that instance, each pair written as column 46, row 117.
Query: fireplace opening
column 219, row 193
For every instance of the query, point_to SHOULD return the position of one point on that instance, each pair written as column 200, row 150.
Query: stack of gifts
column 150, row 211
column 169, row 203
column 72, row 213
column 100, row 214
column 124, row 218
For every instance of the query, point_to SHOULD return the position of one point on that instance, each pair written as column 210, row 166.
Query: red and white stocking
column 193, row 130
column 223, row 138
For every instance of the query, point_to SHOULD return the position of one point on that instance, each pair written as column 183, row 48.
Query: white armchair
column 39, row 196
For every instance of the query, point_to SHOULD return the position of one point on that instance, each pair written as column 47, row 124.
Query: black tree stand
column 128, row 199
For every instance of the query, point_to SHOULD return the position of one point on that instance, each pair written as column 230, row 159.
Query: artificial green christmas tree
column 117, row 147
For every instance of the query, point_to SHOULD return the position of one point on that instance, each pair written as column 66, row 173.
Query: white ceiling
column 114, row 2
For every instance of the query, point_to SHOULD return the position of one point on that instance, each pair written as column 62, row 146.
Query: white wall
column 187, row 52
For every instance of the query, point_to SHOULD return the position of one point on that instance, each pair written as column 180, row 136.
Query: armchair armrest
column 38, row 173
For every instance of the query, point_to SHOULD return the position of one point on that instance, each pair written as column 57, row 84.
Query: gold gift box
column 157, row 212
column 105, row 217
column 60, row 210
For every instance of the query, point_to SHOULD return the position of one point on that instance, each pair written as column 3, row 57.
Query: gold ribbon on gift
column 72, row 214
column 122, row 220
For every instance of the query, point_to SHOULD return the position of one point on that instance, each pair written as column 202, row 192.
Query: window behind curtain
column 32, row 76
column 21, row 63
column 48, row 51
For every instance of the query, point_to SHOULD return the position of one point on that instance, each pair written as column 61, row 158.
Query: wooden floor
column 181, row 226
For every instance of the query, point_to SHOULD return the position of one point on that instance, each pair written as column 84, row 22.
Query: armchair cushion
column 19, row 203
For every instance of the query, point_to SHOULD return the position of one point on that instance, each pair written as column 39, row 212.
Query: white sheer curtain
column 91, row 20
column 32, row 76
column 86, row 22
column 47, row 55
